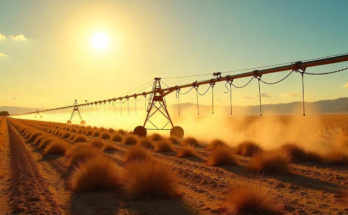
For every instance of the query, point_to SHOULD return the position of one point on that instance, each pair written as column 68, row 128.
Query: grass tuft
column 57, row 147
column 109, row 147
column 150, row 180
column 221, row 156
column 81, row 152
column 253, row 198
column 190, row 141
column 117, row 138
column 295, row 152
column 136, row 153
column 186, row 151
column 97, row 173
column 80, row 138
column 105, row 135
column 97, row 143
column 96, row 134
column 270, row 162
column 174, row 140
column 248, row 148
column 130, row 140
column 146, row 143
column 164, row 146
column 156, row 137
column 214, row 144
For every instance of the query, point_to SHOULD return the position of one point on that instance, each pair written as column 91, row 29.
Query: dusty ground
column 33, row 184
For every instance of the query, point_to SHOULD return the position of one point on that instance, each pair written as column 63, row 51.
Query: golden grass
column 96, row 133
column 72, row 137
column 146, row 143
column 74, row 130
column 191, row 141
column 40, row 139
column 117, row 138
column 81, row 152
column 136, row 153
column 97, row 173
column 97, row 143
column 214, row 144
column 57, row 147
column 130, row 140
column 47, row 141
column 186, row 151
column 248, row 148
column 254, row 198
column 109, row 147
column 295, row 152
column 270, row 162
column 164, row 146
column 174, row 140
column 80, row 138
column 121, row 131
column 335, row 157
column 221, row 155
column 150, row 180
column 156, row 137
column 89, row 132
column 111, row 131
column 35, row 135
column 105, row 135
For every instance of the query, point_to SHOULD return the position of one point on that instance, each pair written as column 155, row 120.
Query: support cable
column 178, row 97
column 196, row 87
column 325, row 73
column 229, row 81
column 243, row 85
column 212, row 97
column 269, row 83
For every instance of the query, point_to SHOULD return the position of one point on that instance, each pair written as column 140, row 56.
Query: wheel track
column 29, row 190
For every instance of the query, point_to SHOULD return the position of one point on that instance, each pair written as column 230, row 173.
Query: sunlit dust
column 100, row 40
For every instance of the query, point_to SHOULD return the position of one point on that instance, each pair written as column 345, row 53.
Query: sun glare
column 100, row 40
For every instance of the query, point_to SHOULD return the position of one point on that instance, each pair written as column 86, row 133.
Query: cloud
column 263, row 95
column 2, row 37
column 346, row 85
column 246, row 97
column 290, row 94
column 3, row 55
column 19, row 37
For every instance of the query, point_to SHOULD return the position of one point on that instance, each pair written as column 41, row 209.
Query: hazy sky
column 47, row 60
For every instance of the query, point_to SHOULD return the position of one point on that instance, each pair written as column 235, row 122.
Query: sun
column 100, row 40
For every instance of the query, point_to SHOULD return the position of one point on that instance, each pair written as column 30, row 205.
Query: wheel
column 177, row 132
column 69, row 122
column 83, row 122
column 140, row 131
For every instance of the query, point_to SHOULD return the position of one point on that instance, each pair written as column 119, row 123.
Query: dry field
column 53, row 168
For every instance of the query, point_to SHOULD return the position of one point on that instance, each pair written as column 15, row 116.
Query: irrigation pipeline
column 296, row 66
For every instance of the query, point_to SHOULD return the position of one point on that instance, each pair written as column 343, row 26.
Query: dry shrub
column 81, row 152
column 80, row 138
column 96, row 173
column 190, row 141
column 187, row 151
column 254, row 198
column 335, row 157
column 146, row 143
column 117, row 138
column 105, row 135
column 156, row 137
column 66, row 135
column 81, row 131
column 96, row 143
column 130, row 140
column 57, row 147
column 40, row 139
column 47, row 141
column 73, row 130
column 150, row 180
column 111, row 131
column 164, row 146
column 72, row 137
column 221, row 156
column 271, row 162
column 102, row 129
column 109, row 147
column 121, row 131
column 35, row 135
column 214, row 144
column 295, row 152
column 136, row 153
column 174, row 140
column 89, row 132
column 313, row 156
column 248, row 148
column 96, row 134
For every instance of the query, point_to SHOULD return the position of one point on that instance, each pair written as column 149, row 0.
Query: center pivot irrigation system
column 157, row 103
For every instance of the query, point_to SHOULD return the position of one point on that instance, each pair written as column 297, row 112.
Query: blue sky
column 56, row 64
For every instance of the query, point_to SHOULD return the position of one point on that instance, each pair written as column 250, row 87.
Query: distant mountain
column 16, row 110
column 336, row 106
